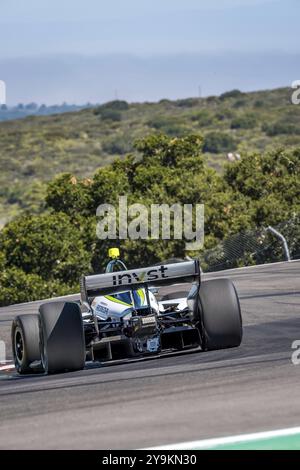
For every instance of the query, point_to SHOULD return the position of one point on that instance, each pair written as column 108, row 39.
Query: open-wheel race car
column 122, row 314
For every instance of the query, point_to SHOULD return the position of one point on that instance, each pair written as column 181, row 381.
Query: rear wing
column 108, row 283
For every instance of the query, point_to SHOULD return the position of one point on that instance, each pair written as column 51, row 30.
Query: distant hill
column 34, row 149
column 8, row 113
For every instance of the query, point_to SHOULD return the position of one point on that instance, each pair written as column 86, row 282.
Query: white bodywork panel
column 109, row 307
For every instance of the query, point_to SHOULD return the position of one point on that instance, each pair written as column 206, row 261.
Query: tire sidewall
column 44, row 358
column 219, row 296
column 28, row 328
column 21, row 365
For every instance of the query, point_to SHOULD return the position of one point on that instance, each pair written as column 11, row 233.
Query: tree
column 2, row 261
column 270, row 183
column 173, row 152
column 117, row 145
column 281, row 127
column 110, row 182
column 16, row 286
column 119, row 105
column 170, row 171
column 46, row 254
column 217, row 142
column 245, row 121
column 70, row 195
column 231, row 94
column 112, row 110
column 109, row 114
column 168, row 125
column 48, row 245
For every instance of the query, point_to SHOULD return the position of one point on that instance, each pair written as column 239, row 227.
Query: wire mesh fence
column 254, row 247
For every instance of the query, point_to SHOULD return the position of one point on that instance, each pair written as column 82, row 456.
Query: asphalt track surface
column 179, row 398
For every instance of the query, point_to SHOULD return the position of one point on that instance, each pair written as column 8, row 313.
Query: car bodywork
column 121, row 315
column 142, row 325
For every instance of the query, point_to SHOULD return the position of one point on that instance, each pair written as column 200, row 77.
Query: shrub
column 168, row 125
column 259, row 104
column 203, row 118
column 239, row 103
column 270, row 181
column 246, row 121
column 49, row 245
column 110, row 115
column 187, row 103
column 223, row 114
column 280, row 127
column 117, row 145
column 231, row 94
column 217, row 142
column 68, row 194
column 118, row 105
column 17, row 286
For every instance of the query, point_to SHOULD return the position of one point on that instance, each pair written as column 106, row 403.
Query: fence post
column 284, row 241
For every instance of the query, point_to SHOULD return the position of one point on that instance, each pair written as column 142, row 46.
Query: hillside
column 7, row 113
column 34, row 149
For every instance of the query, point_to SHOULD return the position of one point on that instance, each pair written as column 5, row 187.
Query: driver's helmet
column 127, row 298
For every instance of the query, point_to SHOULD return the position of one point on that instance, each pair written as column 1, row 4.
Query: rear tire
column 25, row 342
column 62, row 337
column 220, row 315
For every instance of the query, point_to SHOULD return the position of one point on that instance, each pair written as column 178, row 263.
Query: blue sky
column 73, row 35
column 35, row 27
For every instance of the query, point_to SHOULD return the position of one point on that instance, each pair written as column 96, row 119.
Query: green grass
column 34, row 149
column 273, row 443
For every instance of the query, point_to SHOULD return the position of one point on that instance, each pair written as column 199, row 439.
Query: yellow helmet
column 114, row 253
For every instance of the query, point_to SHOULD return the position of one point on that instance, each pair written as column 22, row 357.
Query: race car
column 123, row 315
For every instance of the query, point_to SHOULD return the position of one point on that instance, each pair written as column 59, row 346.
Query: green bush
column 240, row 103
column 245, row 121
column 49, row 245
column 112, row 111
column 68, row 194
column 224, row 114
column 110, row 115
column 34, row 150
column 231, row 94
column 281, row 127
column 117, row 145
column 110, row 182
column 167, row 125
column 46, row 254
column 17, row 286
column 203, row 118
column 216, row 142
column 259, row 103
column 270, row 182
column 118, row 105
column 2, row 261
column 187, row 103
